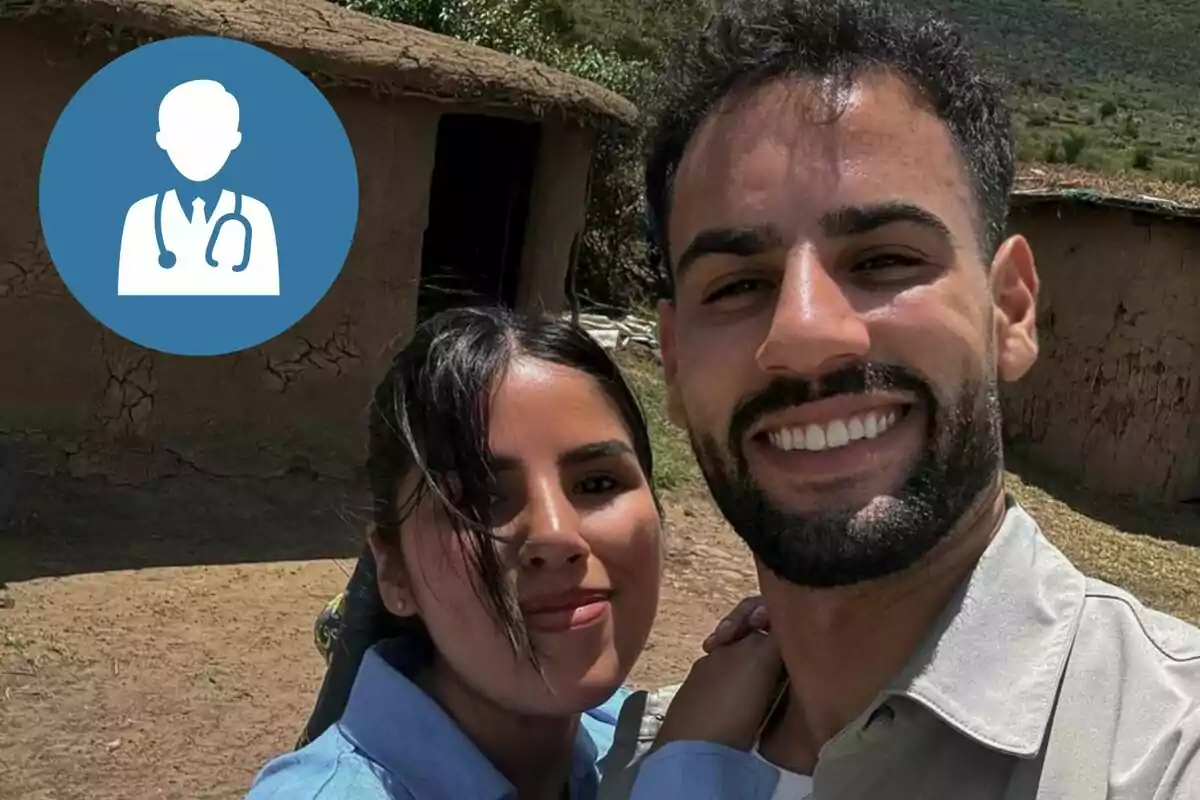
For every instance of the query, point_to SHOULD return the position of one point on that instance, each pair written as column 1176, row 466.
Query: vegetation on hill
column 1108, row 86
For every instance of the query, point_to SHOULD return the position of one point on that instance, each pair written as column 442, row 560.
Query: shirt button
column 882, row 716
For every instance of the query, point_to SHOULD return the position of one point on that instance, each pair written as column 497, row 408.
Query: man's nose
column 814, row 327
column 552, row 536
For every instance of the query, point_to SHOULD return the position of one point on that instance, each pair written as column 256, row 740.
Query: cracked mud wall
column 1114, row 398
column 68, row 382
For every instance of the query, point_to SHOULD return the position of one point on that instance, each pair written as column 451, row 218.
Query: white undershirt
column 792, row 785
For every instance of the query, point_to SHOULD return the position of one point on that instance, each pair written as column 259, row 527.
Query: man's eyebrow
column 731, row 241
column 857, row 220
column 838, row 224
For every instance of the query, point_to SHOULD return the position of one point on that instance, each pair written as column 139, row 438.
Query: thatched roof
column 350, row 47
column 1040, row 184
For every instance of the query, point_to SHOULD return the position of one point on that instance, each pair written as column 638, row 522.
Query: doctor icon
column 198, row 238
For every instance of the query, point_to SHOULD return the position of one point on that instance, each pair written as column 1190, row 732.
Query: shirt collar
column 210, row 194
column 406, row 732
column 992, row 664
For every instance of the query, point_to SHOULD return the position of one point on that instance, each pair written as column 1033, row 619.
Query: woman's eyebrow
column 596, row 450
column 578, row 455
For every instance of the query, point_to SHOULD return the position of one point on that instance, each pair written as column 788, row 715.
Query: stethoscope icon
column 166, row 259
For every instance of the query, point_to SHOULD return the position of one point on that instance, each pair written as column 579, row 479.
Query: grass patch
column 1139, row 547
column 1151, row 551
column 674, row 465
column 1109, row 85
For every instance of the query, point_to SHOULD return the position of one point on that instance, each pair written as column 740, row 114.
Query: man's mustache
column 854, row 379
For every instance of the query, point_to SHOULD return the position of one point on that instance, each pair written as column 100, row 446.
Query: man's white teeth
column 838, row 433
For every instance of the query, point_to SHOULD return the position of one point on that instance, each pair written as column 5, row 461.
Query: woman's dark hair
column 430, row 416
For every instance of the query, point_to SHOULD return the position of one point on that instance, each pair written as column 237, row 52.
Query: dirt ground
column 156, row 641
column 159, row 643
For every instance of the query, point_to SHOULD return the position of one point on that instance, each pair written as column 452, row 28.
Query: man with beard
column 829, row 183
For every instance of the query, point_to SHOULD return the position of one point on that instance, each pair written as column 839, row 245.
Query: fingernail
column 759, row 614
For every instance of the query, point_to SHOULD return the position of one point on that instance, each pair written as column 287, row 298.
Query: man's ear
column 666, row 346
column 1014, row 284
column 392, row 576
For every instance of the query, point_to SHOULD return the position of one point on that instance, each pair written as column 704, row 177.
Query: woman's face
column 580, row 539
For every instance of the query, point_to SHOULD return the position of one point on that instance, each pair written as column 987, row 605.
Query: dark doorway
column 478, row 207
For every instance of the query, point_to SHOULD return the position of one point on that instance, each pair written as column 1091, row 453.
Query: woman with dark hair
column 512, row 579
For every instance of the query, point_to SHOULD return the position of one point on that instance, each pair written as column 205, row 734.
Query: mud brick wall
column 98, row 400
column 108, row 406
column 1114, row 399
column 67, row 380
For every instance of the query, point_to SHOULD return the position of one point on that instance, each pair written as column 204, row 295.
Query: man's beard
column 843, row 546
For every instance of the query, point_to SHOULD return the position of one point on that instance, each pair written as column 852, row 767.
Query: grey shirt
column 1035, row 682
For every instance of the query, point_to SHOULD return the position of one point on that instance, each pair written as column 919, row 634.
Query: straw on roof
column 1046, row 183
column 320, row 37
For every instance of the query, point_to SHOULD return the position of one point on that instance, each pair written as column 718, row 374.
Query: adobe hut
column 1114, row 399
column 473, row 173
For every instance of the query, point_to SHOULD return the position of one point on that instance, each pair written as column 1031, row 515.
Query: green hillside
column 1108, row 84
column 1099, row 86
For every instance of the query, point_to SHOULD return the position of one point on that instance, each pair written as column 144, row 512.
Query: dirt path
column 159, row 644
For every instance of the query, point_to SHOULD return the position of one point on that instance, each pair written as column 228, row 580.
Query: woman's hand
column 732, row 688
column 748, row 615
column 728, row 694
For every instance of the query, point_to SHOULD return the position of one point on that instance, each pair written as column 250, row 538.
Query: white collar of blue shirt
column 404, row 731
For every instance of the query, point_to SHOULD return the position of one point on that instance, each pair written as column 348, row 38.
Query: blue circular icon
column 198, row 196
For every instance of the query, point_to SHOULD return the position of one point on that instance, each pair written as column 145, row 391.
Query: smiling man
column 829, row 184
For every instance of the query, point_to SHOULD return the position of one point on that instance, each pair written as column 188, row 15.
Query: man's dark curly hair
column 748, row 43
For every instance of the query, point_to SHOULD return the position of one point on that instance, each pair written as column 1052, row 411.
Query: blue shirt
column 688, row 770
column 394, row 742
